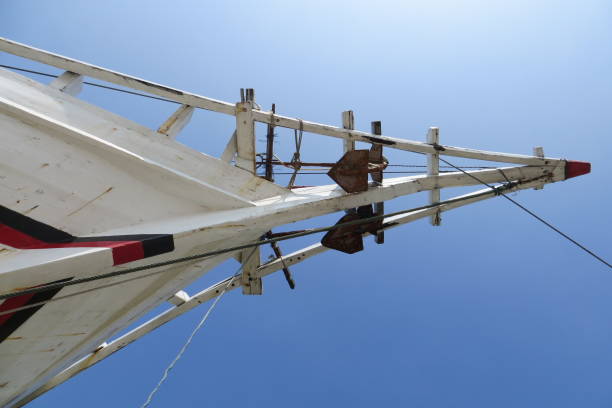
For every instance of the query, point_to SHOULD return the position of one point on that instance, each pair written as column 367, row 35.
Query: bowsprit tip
column 575, row 168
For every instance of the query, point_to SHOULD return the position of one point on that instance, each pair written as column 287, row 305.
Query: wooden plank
column 114, row 77
column 230, row 149
column 245, row 133
column 538, row 151
column 187, row 98
column 177, row 121
column 376, row 155
column 401, row 144
column 251, row 283
column 348, row 122
column 433, row 169
column 229, row 284
column 98, row 144
column 69, row 82
column 270, row 150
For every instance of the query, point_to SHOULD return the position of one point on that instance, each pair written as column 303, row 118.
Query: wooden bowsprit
column 74, row 172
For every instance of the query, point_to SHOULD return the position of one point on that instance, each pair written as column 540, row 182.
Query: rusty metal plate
column 345, row 239
column 351, row 171
column 349, row 239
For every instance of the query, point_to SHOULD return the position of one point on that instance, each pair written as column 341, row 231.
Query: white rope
column 193, row 333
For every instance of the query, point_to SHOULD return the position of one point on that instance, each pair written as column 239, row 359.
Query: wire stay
column 194, row 332
column 534, row 215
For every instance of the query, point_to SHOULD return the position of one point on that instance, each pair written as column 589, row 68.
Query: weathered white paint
column 87, row 171
column 251, row 283
column 258, row 115
column 177, row 121
column 117, row 78
column 538, row 152
column 395, row 143
column 231, row 284
column 433, row 169
column 245, row 136
column 230, row 149
column 348, row 122
column 69, row 82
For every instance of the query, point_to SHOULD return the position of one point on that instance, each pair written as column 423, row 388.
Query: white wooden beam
column 114, row 77
column 230, row 149
column 231, row 283
column 202, row 102
column 69, row 82
column 538, row 151
column 251, row 283
column 348, row 122
column 245, row 133
column 177, row 121
column 401, row 144
column 433, row 169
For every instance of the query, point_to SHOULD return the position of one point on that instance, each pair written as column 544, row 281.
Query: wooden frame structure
column 240, row 206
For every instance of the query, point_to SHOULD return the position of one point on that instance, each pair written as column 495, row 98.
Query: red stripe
column 13, row 303
column 123, row 251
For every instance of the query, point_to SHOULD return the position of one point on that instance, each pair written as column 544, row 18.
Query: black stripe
column 18, row 318
column 158, row 245
column 153, row 244
column 33, row 228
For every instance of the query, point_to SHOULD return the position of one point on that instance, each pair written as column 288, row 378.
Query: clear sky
column 491, row 309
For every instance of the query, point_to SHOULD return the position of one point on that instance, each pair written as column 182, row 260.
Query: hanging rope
column 296, row 161
column 194, row 332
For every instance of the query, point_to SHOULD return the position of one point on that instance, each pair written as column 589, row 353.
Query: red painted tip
column 576, row 168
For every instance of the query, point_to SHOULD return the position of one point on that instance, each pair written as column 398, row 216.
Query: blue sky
column 490, row 309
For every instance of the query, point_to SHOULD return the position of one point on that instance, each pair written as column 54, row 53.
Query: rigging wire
column 552, row 227
column 194, row 332
column 307, row 232
column 112, row 88
column 537, row 217
column 304, row 171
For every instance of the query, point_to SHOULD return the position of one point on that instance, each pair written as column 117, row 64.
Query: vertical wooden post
column 433, row 169
column 245, row 131
column 250, row 259
column 376, row 157
column 538, row 151
column 270, row 148
column 348, row 122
